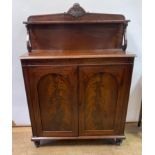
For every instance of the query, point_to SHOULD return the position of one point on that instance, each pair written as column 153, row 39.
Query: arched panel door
column 100, row 100
column 55, row 100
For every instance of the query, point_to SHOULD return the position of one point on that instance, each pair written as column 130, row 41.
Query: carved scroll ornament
column 76, row 11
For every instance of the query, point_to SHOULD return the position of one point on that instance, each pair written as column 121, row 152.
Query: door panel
column 101, row 92
column 55, row 100
column 100, row 99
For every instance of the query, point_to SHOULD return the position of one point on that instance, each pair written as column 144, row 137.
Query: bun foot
column 37, row 143
column 118, row 141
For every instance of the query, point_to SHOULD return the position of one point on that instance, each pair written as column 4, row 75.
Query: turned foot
column 37, row 143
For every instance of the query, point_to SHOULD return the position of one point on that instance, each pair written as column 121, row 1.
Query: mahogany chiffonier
column 77, row 75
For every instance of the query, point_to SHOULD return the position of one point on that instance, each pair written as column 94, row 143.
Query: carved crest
column 76, row 10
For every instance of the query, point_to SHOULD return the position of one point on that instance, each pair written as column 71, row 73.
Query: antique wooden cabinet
column 77, row 75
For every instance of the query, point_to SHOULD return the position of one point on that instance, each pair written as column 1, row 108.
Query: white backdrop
column 24, row 8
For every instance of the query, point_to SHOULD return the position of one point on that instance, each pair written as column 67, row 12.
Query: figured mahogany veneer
column 77, row 75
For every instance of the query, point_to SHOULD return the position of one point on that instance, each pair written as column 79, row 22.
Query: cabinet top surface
column 70, row 54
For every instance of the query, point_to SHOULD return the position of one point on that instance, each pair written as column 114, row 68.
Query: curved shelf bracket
column 28, row 43
column 124, row 45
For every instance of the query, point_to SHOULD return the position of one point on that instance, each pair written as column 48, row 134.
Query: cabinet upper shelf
column 76, row 22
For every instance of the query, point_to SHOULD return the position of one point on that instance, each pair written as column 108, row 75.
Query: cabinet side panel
column 29, row 99
column 125, row 99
